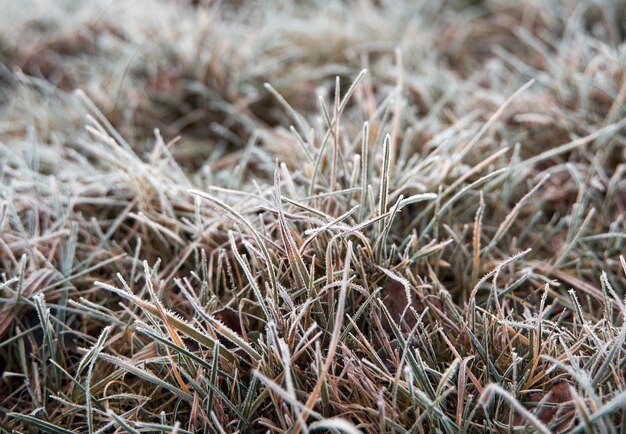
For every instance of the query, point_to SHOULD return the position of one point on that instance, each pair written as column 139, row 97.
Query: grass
column 335, row 216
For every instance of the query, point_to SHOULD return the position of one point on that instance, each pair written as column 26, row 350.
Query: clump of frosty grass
column 295, row 216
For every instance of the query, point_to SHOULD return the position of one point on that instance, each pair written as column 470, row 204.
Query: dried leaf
column 230, row 318
column 558, row 404
column 394, row 298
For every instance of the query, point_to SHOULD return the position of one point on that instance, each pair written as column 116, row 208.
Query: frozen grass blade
column 241, row 220
column 334, row 340
column 493, row 389
column 129, row 367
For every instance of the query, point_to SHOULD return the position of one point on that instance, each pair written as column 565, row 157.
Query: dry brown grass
column 431, row 245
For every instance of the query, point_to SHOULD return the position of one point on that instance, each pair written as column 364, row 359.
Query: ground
column 292, row 216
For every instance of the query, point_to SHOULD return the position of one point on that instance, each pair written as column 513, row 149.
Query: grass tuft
column 363, row 216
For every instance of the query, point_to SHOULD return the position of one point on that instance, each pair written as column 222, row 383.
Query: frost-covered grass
column 337, row 216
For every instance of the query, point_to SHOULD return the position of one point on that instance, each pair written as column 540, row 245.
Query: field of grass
column 313, row 216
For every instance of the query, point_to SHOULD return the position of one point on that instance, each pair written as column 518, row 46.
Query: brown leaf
column 557, row 405
column 560, row 393
column 395, row 300
column 230, row 318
